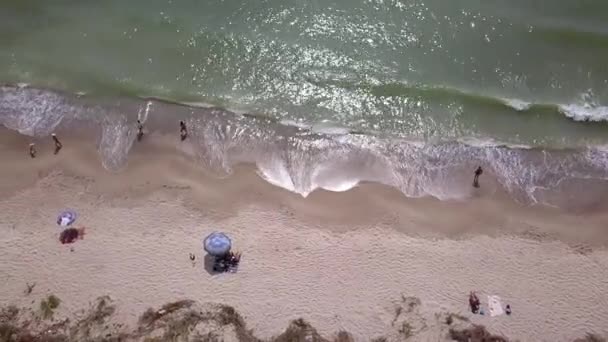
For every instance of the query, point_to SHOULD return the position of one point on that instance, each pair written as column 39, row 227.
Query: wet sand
column 342, row 261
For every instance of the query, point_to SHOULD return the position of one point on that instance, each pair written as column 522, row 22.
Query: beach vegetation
column 8, row 332
column 150, row 316
column 452, row 317
column 299, row 330
column 53, row 301
column 188, row 321
column 398, row 311
column 406, row 330
column 48, row 306
column 208, row 337
column 147, row 317
column 380, row 339
column 97, row 316
column 591, row 338
column 475, row 333
column 344, row 336
column 229, row 316
column 182, row 326
column 29, row 288
column 8, row 313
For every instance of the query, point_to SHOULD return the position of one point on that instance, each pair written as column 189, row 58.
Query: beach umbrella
column 217, row 244
column 66, row 218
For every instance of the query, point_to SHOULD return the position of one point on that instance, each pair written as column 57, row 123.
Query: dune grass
column 188, row 321
column 48, row 306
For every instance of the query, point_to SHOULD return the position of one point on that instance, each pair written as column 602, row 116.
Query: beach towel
column 495, row 306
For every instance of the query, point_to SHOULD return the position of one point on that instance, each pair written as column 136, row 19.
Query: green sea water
column 529, row 72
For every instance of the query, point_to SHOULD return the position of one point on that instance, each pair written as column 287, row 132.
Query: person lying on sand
column 478, row 173
column 58, row 144
column 33, row 150
column 183, row 132
column 140, row 130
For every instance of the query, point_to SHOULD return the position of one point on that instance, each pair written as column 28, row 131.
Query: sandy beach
column 341, row 261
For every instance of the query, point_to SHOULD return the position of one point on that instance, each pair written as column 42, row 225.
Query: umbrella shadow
column 209, row 261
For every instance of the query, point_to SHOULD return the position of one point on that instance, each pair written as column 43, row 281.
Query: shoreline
column 339, row 260
column 304, row 160
column 176, row 171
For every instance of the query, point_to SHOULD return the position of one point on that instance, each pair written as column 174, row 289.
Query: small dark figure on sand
column 140, row 130
column 192, row 257
column 30, row 288
column 32, row 150
column 508, row 309
column 227, row 263
column 474, row 302
column 58, row 144
column 478, row 173
column 183, row 132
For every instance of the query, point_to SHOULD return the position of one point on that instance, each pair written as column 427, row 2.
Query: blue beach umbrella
column 66, row 218
column 217, row 244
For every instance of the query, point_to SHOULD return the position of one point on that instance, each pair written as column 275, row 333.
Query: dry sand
column 342, row 261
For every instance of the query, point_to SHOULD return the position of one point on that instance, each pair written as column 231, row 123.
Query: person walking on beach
column 140, row 130
column 183, row 132
column 32, row 150
column 58, row 144
column 478, row 173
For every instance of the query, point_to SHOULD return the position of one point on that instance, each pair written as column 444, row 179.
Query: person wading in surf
column 183, row 132
column 32, row 150
column 140, row 130
column 58, row 144
column 478, row 173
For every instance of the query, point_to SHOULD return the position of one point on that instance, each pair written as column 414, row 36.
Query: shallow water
column 521, row 72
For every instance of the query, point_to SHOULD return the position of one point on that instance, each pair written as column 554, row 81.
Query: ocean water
column 413, row 94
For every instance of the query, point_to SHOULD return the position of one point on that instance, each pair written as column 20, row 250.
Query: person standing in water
column 478, row 173
column 58, row 144
column 140, row 130
column 32, row 150
column 183, row 132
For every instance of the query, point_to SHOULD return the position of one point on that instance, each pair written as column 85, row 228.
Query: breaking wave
column 584, row 112
column 302, row 159
column 583, row 108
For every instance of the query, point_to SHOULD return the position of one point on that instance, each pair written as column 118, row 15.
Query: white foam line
column 518, row 105
column 584, row 112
